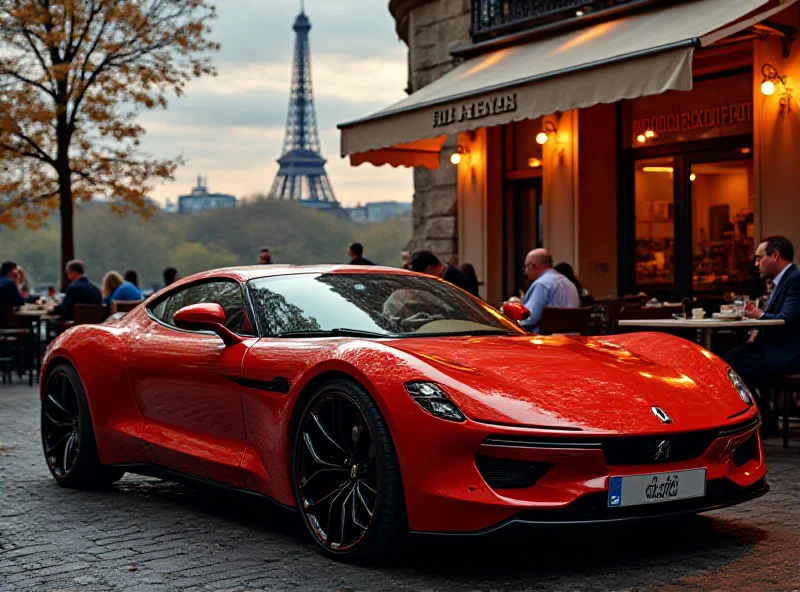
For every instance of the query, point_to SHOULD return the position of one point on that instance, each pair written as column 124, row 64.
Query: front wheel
column 67, row 434
column 346, row 475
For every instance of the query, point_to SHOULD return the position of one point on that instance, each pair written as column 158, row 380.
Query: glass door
column 524, row 230
column 722, row 229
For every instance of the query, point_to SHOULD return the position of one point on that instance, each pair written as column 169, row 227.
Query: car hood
column 580, row 384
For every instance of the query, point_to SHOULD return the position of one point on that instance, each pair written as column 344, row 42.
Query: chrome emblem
column 354, row 471
column 661, row 415
column 663, row 450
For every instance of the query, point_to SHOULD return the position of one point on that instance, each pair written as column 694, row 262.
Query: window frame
column 248, row 310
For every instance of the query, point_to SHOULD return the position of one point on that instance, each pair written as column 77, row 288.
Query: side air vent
column 506, row 473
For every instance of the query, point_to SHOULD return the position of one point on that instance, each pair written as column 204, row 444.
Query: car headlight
column 740, row 386
column 433, row 399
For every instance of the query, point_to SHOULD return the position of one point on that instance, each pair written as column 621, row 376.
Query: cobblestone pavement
column 151, row 535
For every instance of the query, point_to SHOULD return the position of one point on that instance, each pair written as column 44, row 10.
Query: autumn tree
column 74, row 75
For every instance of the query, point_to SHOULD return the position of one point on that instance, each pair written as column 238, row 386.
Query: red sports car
column 378, row 402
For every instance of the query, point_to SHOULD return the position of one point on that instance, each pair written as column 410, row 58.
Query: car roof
column 250, row 272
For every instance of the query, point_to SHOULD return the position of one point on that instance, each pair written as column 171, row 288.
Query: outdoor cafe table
column 37, row 316
column 706, row 326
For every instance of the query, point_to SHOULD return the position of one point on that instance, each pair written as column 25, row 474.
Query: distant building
column 200, row 199
column 379, row 211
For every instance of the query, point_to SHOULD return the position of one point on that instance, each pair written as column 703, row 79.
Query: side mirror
column 206, row 317
column 515, row 311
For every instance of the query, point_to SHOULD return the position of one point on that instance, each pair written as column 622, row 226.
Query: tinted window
column 391, row 305
column 227, row 294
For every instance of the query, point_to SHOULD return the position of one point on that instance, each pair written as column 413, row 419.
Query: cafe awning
column 638, row 55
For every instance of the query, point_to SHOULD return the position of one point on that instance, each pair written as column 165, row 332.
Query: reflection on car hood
column 579, row 384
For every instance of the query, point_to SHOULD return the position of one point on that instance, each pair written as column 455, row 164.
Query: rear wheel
column 67, row 434
column 346, row 476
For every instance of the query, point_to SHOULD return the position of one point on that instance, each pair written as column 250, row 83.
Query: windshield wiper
column 338, row 332
column 474, row 332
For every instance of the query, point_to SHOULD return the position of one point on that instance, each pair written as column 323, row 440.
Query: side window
column 227, row 294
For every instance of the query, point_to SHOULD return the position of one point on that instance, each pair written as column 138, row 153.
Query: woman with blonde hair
column 116, row 288
column 24, row 283
column 111, row 281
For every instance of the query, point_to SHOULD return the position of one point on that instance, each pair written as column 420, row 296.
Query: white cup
column 698, row 313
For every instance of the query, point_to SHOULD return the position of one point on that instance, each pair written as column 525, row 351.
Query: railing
column 494, row 18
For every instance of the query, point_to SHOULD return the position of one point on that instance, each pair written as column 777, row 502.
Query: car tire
column 68, row 440
column 387, row 527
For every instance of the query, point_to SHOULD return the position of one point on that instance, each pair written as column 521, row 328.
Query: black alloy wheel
column 346, row 476
column 61, row 426
column 67, row 434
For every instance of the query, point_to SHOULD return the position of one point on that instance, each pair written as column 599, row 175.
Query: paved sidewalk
column 152, row 535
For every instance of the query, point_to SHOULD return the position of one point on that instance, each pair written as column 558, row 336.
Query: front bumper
column 592, row 509
column 447, row 493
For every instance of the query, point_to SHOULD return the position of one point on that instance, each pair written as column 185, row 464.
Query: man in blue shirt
column 79, row 291
column 548, row 288
column 10, row 295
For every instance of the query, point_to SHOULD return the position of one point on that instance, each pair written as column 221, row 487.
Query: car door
column 186, row 383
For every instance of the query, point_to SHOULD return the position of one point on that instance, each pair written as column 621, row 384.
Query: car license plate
column 634, row 490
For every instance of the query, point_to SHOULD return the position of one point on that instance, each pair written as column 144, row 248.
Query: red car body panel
column 185, row 401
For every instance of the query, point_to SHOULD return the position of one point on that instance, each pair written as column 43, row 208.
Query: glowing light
column 541, row 138
column 767, row 87
column 657, row 169
column 455, row 158
column 534, row 163
column 649, row 134
column 641, row 139
column 579, row 13
column 745, row 150
column 692, row 177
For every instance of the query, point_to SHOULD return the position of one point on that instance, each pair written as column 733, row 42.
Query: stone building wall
column 431, row 28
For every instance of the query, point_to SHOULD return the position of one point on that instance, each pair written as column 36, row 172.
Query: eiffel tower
column 302, row 175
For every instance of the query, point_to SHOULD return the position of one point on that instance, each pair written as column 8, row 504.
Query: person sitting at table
column 24, row 283
column 79, row 291
column 116, row 288
column 132, row 277
column 775, row 350
column 548, row 288
column 10, row 295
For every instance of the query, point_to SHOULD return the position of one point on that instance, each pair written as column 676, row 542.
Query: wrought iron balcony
column 496, row 18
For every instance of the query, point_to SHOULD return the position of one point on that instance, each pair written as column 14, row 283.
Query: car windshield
column 370, row 305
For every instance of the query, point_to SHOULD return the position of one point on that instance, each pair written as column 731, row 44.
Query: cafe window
column 655, row 223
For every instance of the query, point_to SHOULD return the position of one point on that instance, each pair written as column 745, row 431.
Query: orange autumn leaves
column 74, row 75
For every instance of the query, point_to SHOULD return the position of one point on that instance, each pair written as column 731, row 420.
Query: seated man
column 427, row 262
column 774, row 350
column 10, row 295
column 79, row 291
column 548, row 288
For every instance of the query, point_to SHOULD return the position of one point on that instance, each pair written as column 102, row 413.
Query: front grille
column 648, row 450
column 506, row 473
column 745, row 451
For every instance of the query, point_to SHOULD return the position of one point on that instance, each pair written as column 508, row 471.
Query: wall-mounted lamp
column 771, row 76
column 544, row 135
column 460, row 153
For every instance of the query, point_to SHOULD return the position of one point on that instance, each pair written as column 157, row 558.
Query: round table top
column 700, row 323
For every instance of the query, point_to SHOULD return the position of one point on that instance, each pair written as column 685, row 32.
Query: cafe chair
column 783, row 385
column 565, row 320
column 89, row 314
column 124, row 305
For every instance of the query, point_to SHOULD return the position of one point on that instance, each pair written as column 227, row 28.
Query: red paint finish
column 189, row 402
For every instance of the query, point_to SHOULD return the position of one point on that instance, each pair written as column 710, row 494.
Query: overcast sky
column 231, row 127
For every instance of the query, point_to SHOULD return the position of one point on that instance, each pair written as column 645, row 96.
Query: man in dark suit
column 774, row 350
column 79, row 291
column 10, row 295
column 356, row 253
